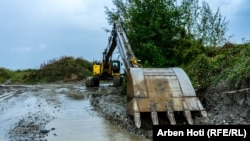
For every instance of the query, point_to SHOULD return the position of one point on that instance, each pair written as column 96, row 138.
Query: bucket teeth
column 187, row 114
column 154, row 115
column 202, row 111
column 137, row 115
column 170, row 115
column 137, row 119
column 189, row 118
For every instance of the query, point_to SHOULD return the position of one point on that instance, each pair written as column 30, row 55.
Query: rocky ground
column 222, row 109
column 31, row 127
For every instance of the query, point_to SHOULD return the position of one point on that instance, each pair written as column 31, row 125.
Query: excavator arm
column 154, row 90
column 110, row 49
column 108, row 69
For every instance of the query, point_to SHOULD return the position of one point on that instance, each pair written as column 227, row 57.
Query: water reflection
column 75, row 119
column 93, row 129
column 86, row 125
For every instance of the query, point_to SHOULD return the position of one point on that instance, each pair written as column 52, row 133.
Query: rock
column 44, row 131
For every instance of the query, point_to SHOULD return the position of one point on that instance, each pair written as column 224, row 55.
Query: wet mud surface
column 52, row 112
column 60, row 111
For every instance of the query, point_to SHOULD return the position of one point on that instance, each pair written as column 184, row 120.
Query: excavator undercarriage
column 153, row 90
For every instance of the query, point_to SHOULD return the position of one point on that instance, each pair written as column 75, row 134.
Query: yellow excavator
column 108, row 69
column 153, row 90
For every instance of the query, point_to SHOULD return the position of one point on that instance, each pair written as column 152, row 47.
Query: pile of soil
column 222, row 109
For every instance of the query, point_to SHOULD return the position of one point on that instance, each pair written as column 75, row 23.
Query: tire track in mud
column 23, row 113
column 5, row 96
column 8, row 91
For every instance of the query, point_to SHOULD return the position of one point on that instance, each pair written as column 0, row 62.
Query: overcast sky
column 35, row 31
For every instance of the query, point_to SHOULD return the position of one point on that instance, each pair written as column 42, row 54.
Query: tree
column 189, row 13
column 172, row 32
column 150, row 24
column 201, row 23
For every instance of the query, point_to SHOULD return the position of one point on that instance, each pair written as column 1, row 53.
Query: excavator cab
column 116, row 66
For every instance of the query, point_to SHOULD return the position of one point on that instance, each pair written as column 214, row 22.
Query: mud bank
column 222, row 109
column 225, row 107
column 111, row 105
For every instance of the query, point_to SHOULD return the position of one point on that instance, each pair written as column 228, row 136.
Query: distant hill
column 64, row 69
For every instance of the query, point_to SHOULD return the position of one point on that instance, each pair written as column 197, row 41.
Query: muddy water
column 65, row 109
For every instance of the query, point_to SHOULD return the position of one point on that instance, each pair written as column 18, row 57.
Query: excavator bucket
column 156, row 90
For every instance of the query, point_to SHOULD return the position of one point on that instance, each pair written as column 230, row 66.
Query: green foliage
column 5, row 74
column 202, row 23
column 156, row 61
column 66, row 69
column 200, row 71
column 239, row 69
column 13, row 76
column 152, row 29
column 63, row 69
column 229, row 63
column 166, row 33
column 18, row 75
